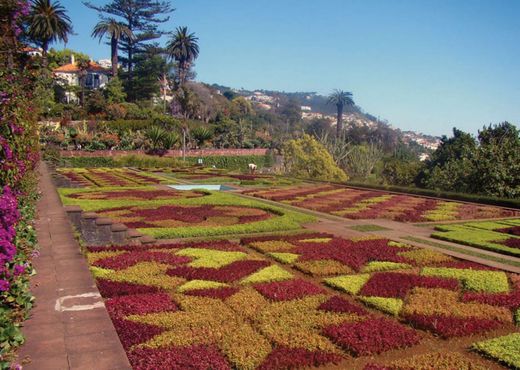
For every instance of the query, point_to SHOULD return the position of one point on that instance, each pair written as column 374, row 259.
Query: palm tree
column 115, row 30
column 340, row 99
column 184, row 49
column 48, row 23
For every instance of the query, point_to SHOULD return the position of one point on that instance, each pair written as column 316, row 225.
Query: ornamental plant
column 18, row 156
column 505, row 349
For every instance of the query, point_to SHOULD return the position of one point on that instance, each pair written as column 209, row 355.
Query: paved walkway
column 69, row 326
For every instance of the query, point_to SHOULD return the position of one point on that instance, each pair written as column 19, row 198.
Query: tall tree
column 183, row 47
column 48, row 23
column 143, row 18
column 150, row 67
column 340, row 99
column 115, row 30
column 83, row 67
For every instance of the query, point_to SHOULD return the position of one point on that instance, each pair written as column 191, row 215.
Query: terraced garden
column 169, row 213
column 211, row 176
column 263, row 292
column 106, row 177
column 501, row 236
column 367, row 204
column 220, row 304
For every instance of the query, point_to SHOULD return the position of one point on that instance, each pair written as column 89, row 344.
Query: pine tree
column 142, row 18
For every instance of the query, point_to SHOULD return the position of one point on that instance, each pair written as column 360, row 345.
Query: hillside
column 315, row 106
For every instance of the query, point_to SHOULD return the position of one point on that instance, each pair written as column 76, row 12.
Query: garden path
column 69, row 327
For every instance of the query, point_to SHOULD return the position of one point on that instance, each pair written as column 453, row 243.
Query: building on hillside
column 69, row 75
column 33, row 52
column 306, row 108
column 105, row 63
column 260, row 98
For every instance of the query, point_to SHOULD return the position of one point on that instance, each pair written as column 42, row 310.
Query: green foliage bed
column 480, row 235
column 283, row 219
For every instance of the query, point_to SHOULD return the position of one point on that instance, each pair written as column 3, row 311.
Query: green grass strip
column 462, row 251
column 369, row 227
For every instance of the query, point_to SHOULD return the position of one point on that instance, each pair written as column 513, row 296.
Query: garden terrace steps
column 59, row 335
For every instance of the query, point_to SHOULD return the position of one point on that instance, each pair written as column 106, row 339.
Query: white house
column 68, row 74
column 33, row 52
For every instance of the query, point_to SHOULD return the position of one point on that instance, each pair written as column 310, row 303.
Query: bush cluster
column 18, row 157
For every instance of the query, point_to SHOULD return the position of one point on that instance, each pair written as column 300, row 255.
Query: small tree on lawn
column 306, row 157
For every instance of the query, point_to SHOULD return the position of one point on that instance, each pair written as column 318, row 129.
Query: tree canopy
column 307, row 158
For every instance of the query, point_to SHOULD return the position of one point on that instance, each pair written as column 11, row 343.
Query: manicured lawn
column 502, row 236
column 368, row 204
column 368, row 228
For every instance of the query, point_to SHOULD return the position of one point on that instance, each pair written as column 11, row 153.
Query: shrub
column 19, row 153
column 307, row 158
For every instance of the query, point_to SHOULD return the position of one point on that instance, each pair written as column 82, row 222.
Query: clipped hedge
column 239, row 162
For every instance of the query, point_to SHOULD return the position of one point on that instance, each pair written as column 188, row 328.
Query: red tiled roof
column 73, row 68
column 28, row 49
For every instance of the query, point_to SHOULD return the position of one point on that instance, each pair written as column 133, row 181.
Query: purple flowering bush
column 18, row 156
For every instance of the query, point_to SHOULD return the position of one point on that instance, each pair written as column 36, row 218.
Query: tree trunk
column 113, row 45
column 339, row 121
column 45, row 47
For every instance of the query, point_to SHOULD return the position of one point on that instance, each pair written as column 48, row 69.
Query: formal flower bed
column 216, row 305
column 211, row 176
column 170, row 214
column 138, row 194
column 107, row 177
column 504, row 349
column 365, row 204
column 498, row 236
column 429, row 361
column 429, row 290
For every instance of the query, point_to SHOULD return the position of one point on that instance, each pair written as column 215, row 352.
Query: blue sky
column 424, row 65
